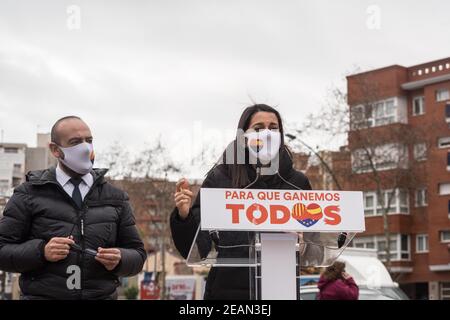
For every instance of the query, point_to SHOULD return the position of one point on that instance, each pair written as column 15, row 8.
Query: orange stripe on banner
column 296, row 215
column 298, row 211
column 304, row 211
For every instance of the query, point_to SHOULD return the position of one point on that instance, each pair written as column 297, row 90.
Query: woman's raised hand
column 183, row 198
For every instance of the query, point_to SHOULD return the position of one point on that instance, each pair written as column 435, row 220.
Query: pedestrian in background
column 336, row 284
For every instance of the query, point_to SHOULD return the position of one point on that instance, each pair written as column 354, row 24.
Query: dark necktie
column 76, row 194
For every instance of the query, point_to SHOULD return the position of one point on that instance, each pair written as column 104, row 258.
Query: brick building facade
column 404, row 112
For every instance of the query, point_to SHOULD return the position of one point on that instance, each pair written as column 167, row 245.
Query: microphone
column 341, row 239
column 214, row 234
column 258, row 175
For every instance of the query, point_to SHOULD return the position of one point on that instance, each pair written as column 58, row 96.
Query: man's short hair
column 54, row 136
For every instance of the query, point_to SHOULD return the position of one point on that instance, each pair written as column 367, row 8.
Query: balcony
column 379, row 113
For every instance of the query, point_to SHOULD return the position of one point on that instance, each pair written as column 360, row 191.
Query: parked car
column 369, row 273
column 386, row 293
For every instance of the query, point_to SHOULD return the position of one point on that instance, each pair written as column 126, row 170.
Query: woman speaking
column 259, row 160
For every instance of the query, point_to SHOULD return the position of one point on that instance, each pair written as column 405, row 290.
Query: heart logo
column 307, row 215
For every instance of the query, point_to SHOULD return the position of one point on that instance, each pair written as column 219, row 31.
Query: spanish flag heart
column 312, row 211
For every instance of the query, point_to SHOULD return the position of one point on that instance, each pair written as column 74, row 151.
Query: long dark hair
column 238, row 171
column 334, row 272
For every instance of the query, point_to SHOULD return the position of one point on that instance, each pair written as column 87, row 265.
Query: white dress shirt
column 63, row 179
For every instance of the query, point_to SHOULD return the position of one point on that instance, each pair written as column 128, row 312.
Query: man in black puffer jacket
column 57, row 220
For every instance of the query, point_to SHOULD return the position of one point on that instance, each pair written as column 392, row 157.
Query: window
column 384, row 157
column 421, row 197
column 448, row 161
column 16, row 182
column 384, row 112
column 17, row 168
column 442, row 95
column 366, row 243
column 398, row 202
column 11, row 150
column 444, row 142
column 404, row 247
column 369, row 201
column 376, row 114
column 448, row 209
column 381, row 203
column 447, row 113
column 421, row 243
column 420, row 151
column 4, row 186
column 399, row 248
column 444, row 189
column 445, row 291
column 358, row 117
column 445, row 236
column 361, row 161
column 404, row 205
column 392, row 248
column 418, row 106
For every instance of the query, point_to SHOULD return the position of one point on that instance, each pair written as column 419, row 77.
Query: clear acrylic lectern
column 273, row 259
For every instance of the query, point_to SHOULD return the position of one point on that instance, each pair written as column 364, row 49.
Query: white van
column 369, row 273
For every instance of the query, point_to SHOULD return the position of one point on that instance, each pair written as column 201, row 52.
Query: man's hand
column 110, row 257
column 57, row 249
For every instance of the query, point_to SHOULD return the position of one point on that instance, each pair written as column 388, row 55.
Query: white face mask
column 79, row 158
column 263, row 145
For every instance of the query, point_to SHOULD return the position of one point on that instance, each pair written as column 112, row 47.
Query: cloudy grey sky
column 136, row 70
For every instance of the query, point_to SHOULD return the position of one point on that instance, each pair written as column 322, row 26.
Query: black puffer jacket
column 229, row 282
column 40, row 209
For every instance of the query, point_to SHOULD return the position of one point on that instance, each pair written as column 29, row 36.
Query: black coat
column 229, row 282
column 40, row 209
